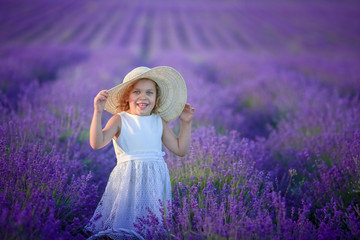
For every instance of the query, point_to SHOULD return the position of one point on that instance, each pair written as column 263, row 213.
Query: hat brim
column 172, row 86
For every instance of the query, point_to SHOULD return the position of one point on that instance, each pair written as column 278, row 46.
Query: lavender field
column 275, row 151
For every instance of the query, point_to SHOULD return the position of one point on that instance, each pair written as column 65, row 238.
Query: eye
column 149, row 92
column 136, row 91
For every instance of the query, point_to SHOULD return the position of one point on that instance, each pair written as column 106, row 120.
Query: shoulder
column 115, row 119
column 160, row 119
column 163, row 121
column 116, row 116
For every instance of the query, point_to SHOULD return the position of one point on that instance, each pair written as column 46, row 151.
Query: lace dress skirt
column 136, row 184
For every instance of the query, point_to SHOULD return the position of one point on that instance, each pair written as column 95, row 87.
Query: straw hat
column 171, row 84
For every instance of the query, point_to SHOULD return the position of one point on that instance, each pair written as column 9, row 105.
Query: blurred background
column 276, row 88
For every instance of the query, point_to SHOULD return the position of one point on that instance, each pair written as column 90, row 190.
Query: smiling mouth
column 142, row 106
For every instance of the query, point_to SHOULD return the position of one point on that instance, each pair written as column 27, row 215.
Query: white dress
column 139, row 180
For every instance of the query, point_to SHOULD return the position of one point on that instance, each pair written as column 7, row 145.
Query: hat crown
column 135, row 73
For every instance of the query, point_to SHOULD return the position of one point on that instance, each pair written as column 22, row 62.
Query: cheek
column 154, row 99
column 131, row 98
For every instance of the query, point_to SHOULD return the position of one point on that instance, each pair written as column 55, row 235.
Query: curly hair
column 123, row 98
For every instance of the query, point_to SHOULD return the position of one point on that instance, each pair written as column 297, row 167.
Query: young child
column 142, row 106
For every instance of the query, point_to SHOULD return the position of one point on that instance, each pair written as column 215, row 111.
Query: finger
column 191, row 110
column 104, row 96
column 187, row 109
column 188, row 106
column 103, row 93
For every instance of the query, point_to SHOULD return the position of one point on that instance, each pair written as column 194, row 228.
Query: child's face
column 142, row 97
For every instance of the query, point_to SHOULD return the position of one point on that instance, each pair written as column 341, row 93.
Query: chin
column 143, row 113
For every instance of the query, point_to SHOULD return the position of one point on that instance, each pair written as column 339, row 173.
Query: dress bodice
column 139, row 135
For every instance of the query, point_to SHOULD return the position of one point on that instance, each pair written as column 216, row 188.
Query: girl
column 142, row 106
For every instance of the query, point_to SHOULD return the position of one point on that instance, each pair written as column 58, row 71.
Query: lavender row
column 275, row 148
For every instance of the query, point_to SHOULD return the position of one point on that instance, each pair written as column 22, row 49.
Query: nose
column 142, row 95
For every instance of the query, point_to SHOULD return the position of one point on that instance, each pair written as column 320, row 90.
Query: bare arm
column 179, row 144
column 100, row 137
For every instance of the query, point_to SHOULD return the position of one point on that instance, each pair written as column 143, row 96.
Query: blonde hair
column 122, row 99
